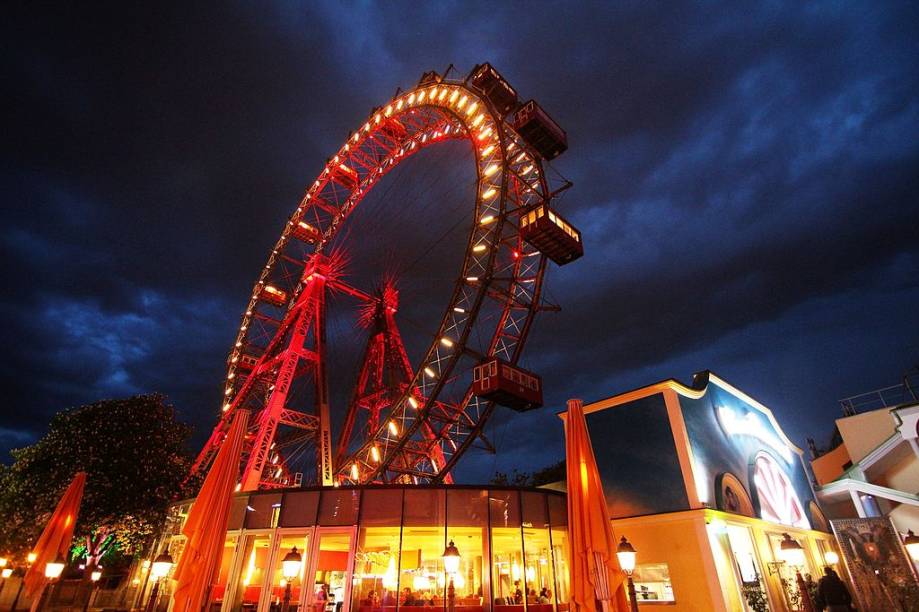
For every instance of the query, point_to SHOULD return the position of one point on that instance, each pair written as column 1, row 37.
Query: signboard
column 880, row 570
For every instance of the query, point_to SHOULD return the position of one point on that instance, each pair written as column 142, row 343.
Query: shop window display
column 652, row 582
column 219, row 588
column 422, row 581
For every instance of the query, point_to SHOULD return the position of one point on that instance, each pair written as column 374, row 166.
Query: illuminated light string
column 750, row 425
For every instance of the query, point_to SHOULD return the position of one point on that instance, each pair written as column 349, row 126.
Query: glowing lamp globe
column 911, row 541
column 6, row 572
column 290, row 565
column 626, row 554
column 161, row 565
column 53, row 569
column 451, row 558
column 96, row 575
column 3, row 562
column 791, row 552
column 31, row 558
column 831, row 557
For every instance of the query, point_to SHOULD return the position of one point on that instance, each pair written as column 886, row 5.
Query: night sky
column 745, row 179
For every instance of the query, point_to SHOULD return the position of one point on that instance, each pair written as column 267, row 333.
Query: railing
column 887, row 397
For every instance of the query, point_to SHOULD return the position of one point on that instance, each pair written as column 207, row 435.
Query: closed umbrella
column 595, row 572
column 55, row 539
column 206, row 526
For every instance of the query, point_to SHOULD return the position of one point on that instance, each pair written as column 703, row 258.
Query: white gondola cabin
column 508, row 385
column 540, row 131
column 498, row 91
column 546, row 230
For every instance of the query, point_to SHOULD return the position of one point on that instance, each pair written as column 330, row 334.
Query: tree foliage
column 549, row 474
column 134, row 453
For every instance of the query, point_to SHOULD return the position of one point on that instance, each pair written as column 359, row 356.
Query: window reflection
column 218, row 590
column 254, row 562
column 558, row 518
column 422, row 581
column 507, row 584
column 467, row 526
column 278, row 582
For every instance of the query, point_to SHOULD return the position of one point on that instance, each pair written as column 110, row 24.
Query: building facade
column 380, row 548
column 704, row 483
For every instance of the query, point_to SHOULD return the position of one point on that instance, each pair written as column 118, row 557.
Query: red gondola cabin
column 345, row 176
column 273, row 295
column 306, row 232
column 507, row 385
column 540, row 131
column 498, row 91
column 551, row 234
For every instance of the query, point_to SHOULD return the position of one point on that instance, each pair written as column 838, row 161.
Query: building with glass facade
column 380, row 548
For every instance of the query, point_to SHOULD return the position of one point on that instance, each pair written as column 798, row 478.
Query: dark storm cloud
column 745, row 180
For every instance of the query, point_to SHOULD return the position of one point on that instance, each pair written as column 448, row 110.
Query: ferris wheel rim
column 488, row 121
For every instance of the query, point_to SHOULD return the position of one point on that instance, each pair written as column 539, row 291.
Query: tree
column 134, row 453
column 547, row 475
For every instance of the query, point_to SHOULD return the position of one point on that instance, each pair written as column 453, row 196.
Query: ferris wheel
column 406, row 421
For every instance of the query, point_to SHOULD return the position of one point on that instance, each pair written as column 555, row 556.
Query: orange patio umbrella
column 595, row 572
column 55, row 539
column 206, row 526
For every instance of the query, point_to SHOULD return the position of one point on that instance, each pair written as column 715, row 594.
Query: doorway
column 329, row 573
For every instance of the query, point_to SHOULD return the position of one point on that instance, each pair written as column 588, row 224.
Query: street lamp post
column 161, row 566
column 451, row 559
column 5, row 573
column 793, row 554
column 94, row 576
column 626, row 554
column 290, row 568
column 53, row 570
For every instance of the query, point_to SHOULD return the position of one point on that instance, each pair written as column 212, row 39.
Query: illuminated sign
column 751, row 425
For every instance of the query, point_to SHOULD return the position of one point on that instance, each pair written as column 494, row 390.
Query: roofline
column 696, row 391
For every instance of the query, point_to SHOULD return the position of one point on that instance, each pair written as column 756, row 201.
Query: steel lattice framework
column 421, row 425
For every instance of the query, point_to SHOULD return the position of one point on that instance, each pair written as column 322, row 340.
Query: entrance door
column 331, row 564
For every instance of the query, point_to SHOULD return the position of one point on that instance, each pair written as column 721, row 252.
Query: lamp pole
column 94, row 576
column 290, row 568
column 451, row 559
column 626, row 554
column 5, row 573
column 161, row 566
column 53, row 570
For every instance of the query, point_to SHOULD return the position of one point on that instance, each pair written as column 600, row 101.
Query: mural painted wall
column 637, row 458
column 743, row 463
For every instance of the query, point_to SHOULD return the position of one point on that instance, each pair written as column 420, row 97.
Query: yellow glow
column 367, row 127
column 472, row 108
column 485, row 133
column 472, row 279
column 487, row 150
column 453, row 96
column 520, row 158
column 250, row 569
column 430, row 372
column 487, row 219
column 399, row 104
column 239, row 486
column 443, row 94
column 421, row 96
column 389, row 577
column 393, row 428
column 478, row 120
column 228, row 391
column 411, row 99
column 433, row 93
column 388, row 110
column 354, row 472
column 491, row 169
column 459, row 310
column 377, row 118
column 226, row 407
column 31, row 558
column 413, row 402
column 375, row 454
column 831, row 557
column 479, row 248
column 446, row 342
column 462, row 102
column 489, row 193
